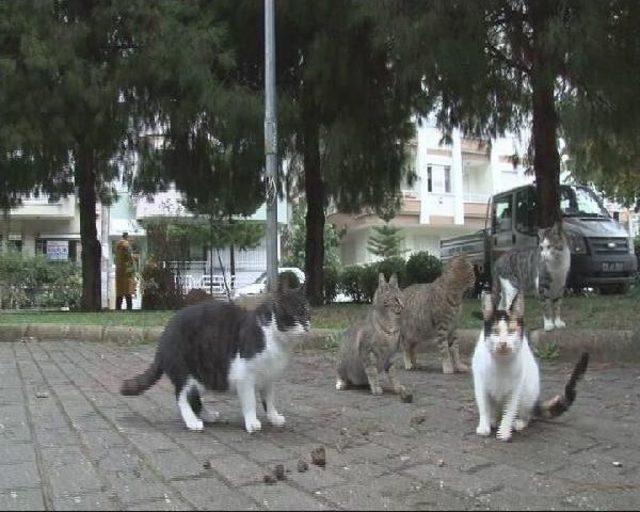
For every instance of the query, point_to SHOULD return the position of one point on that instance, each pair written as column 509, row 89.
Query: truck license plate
column 612, row 267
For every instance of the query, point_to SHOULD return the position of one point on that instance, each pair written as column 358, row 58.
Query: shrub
column 350, row 282
column 159, row 289
column 196, row 296
column 422, row 267
column 28, row 282
column 392, row 266
column 290, row 277
column 368, row 281
column 331, row 280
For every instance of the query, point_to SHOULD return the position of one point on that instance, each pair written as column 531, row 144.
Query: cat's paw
column 277, row 420
column 504, row 434
column 462, row 368
column 209, row 416
column 195, row 425
column 447, row 367
column 252, row 425
column 520, row 425
column 548, row 325
column 483, row 429
column 559, row 323
column 341, row 384
column 377, row 390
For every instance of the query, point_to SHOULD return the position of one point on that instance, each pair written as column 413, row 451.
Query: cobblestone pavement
column 68, row 440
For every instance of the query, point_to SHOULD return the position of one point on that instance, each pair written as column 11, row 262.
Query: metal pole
column 270, row 131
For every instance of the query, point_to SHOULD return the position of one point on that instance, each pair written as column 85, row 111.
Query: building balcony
column 43, row 207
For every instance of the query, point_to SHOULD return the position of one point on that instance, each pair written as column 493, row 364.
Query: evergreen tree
column 387, row 242
column 65, row 100
column 495, row 65
column 344, row 109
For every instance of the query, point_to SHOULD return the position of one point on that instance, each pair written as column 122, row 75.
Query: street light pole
column 270, row 131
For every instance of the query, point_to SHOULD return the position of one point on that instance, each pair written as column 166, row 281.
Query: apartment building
column 449, row 196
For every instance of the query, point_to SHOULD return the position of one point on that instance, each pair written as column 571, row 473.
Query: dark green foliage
column 34, row 282
column 350, row 282
column 294, row 241
column 159, row 290
column 359, row 282
column 331, row 284
column 386, row 242
column 423, row 267
column 290, row 277
column 562, row 68
column 390, row 266
column 196, row 296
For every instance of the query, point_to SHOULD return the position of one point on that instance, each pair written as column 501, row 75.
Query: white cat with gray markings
column 506, row 377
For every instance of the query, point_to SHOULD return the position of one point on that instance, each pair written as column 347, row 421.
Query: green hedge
column 359, row 282
column 35, row 282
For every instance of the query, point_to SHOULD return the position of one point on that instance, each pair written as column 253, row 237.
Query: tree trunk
column 91, row 251
column 546, row 159
column 315, row 195
column 232, row 265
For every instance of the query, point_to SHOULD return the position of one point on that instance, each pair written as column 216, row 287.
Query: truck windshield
column 581, row 202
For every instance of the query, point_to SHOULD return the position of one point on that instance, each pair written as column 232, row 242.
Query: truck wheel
column 614, row 289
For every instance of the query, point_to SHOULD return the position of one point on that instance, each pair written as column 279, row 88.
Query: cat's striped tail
column 142, row 382
column 560, row 403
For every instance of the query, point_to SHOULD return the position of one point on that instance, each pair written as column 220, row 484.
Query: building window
column 429, row 179
column 447, row 179
column 41, row 246
column 14, row 245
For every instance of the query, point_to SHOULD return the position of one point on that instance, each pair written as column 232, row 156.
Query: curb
column 603, row 346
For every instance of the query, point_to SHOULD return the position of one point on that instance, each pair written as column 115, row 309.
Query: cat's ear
column 517, row 306
column 487, row 306
column 381, row 280
column 393, row 281
column 541, row 234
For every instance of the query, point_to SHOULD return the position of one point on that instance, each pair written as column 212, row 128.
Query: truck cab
column 602, row 253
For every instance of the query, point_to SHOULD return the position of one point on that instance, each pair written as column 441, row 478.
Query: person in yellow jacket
column 125, row 270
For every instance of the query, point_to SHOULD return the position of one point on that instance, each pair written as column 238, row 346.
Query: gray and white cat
column 506, row 377
column 369, row 347
column 543, row 269
column 221, row 346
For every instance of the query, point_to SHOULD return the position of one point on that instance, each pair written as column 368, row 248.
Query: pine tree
column 66, row 105
column 344, row 110
column 387, row 242
column 494, row 65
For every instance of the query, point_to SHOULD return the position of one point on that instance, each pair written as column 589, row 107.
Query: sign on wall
column 57, row 250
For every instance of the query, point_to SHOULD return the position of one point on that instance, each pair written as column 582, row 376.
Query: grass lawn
column 594, row 312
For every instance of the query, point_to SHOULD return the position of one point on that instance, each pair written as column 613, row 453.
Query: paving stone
column 95, row 501
column 21, row 499
column 175, row 463
column 283, row 497
column 212, row 494
column 21, row 474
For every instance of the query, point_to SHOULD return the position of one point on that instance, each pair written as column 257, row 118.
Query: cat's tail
column 560, row 403
column 142, row 382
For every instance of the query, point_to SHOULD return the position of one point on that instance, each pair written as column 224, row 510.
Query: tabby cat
column 543, row 269
column 506, row 377
column 221, row 346
column 431, row 311
column 369, row 347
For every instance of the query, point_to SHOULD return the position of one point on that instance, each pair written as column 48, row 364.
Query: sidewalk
column 69, row 440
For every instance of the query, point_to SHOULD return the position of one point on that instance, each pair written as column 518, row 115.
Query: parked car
column 602, row 253
column 259, row 285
